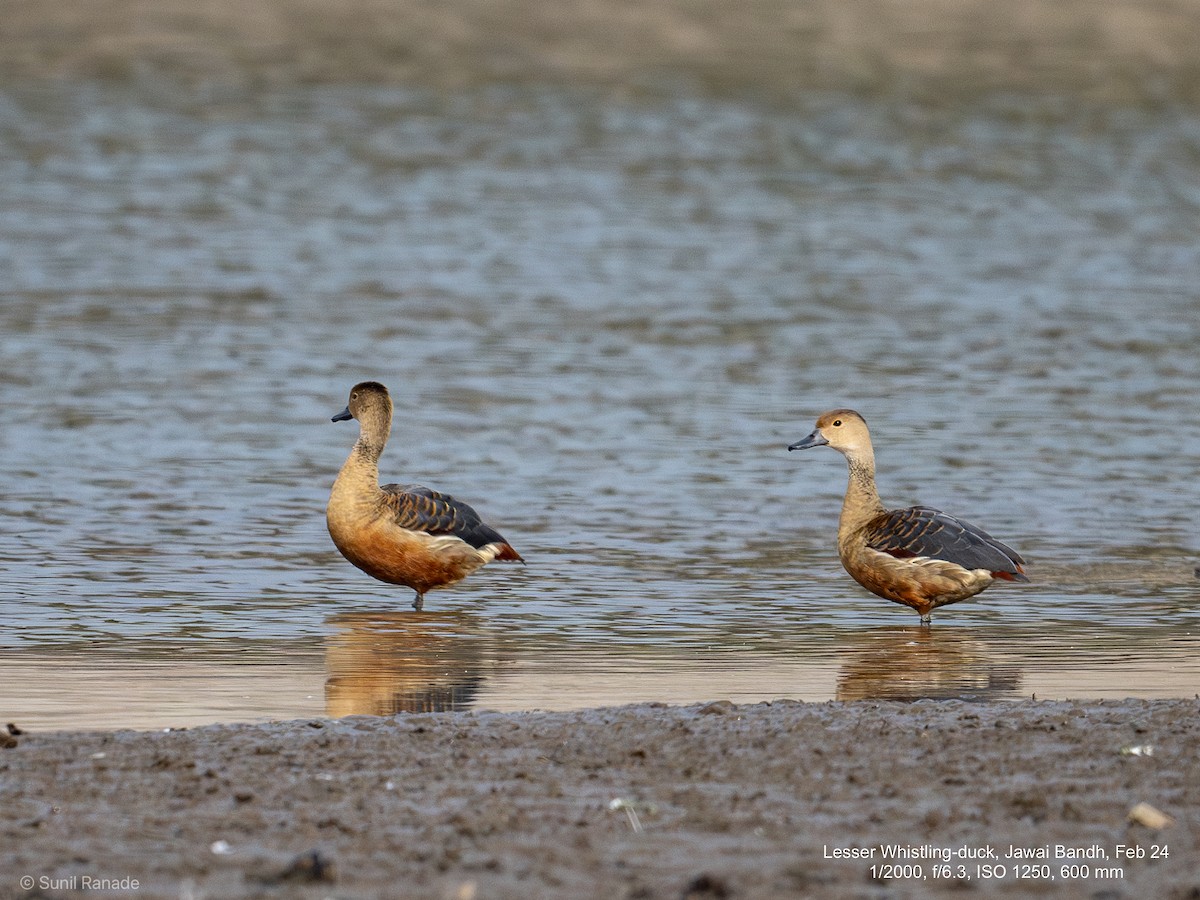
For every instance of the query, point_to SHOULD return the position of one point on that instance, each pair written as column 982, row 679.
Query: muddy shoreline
column 715, row 800
column 1126, row 50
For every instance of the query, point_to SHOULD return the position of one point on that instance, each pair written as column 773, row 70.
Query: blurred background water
column 610, row 261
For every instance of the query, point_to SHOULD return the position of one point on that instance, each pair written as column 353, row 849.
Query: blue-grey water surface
column 603, row 317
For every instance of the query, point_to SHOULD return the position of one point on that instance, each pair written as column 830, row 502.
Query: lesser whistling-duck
column 920, row 557
column 402, row 533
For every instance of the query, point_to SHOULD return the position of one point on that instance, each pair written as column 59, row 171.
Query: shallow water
column 603, row 317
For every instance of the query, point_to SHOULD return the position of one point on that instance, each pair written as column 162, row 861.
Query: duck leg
column 419, row 601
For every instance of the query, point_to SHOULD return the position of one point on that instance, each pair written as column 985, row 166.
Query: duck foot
column 927, row 619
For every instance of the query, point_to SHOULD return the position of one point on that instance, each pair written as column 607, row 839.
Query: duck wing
column 931, row 533
column 418, row 508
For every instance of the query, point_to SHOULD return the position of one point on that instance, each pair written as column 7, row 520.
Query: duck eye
column 837, row 423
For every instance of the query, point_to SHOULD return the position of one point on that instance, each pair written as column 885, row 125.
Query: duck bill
column 816, row 439
column 343, row 416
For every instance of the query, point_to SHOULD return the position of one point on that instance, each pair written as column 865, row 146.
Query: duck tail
column 503, row 552
column 1018, row 575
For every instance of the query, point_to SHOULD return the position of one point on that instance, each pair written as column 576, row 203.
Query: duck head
column 842, row 429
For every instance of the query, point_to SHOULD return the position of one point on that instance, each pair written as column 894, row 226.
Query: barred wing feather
column 418, row 508
column 927, row 532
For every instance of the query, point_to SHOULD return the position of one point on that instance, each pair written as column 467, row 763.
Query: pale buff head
column 842, row 429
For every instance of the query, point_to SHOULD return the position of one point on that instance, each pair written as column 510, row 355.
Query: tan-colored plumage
column 402, row 534
column 919, row 556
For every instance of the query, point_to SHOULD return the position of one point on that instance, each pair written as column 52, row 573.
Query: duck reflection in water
column 384, row 663
column 915, row 663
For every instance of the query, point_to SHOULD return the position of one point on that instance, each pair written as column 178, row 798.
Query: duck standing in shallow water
column 920, row 557
column 402, row 533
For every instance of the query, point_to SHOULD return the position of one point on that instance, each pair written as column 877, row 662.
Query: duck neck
column 360, row 474
column 862, row 501
column 367, row 450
